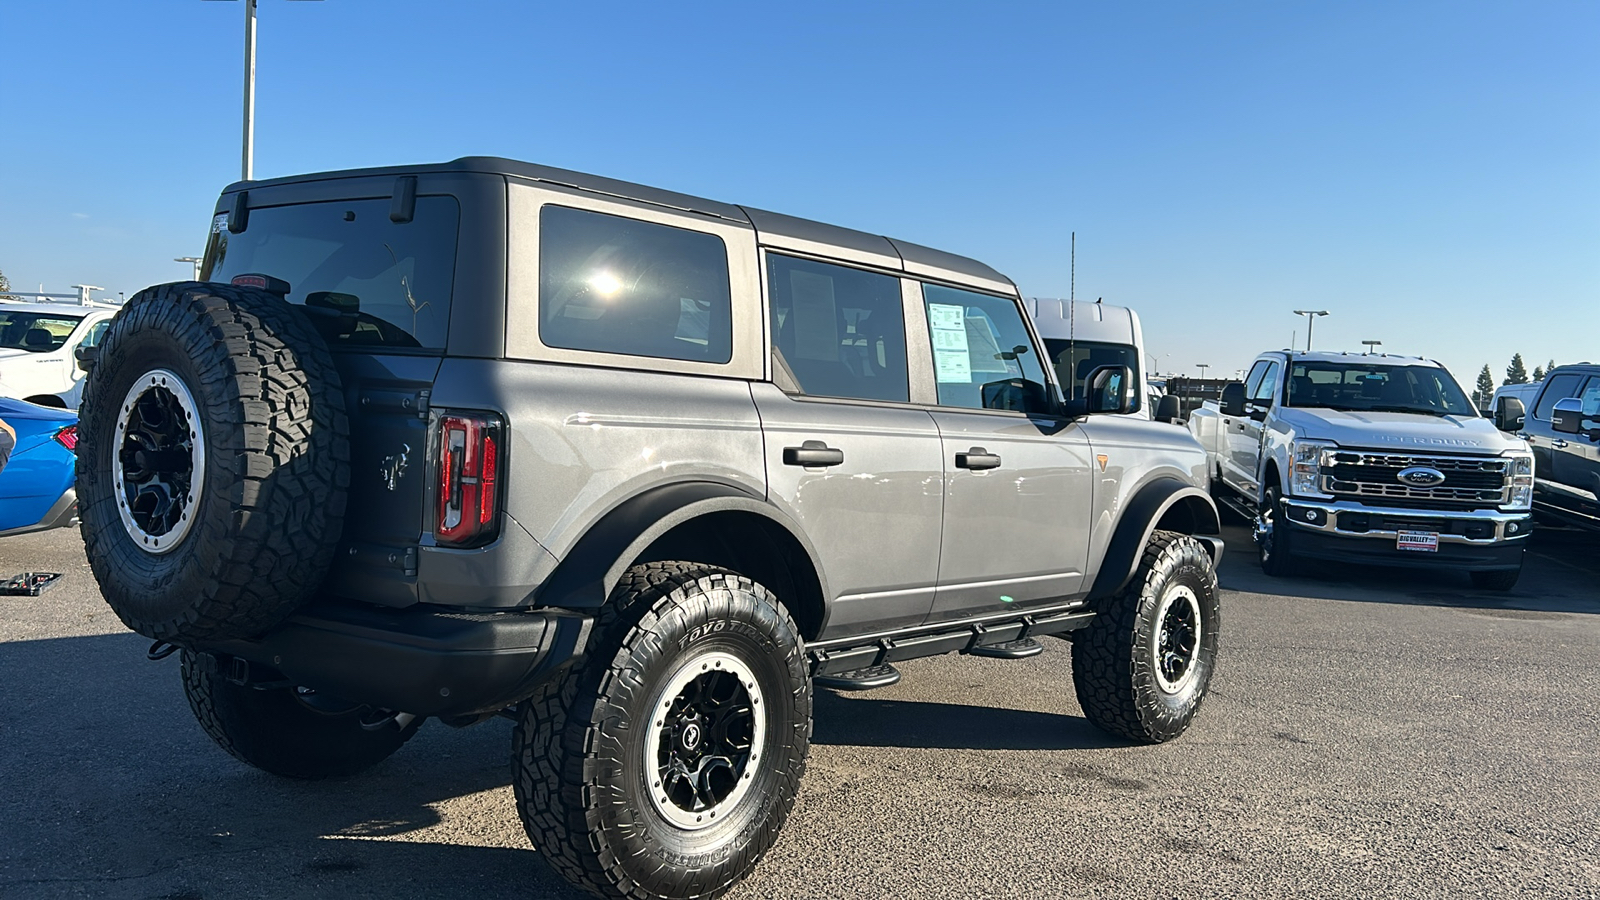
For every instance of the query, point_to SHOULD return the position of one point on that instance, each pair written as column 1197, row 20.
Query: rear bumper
column 62, row 514
column 427, row 661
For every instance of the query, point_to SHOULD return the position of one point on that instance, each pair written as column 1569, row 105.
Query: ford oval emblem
column 1420, row 476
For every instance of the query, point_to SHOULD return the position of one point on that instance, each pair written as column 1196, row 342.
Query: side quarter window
column 95, row 332
column 1266, row 389
column 1253, row 381
column 1559, row 388
column 841, row 332
column 983, row 355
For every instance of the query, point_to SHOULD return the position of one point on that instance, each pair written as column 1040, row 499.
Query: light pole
column 193, row 260
column 1311, row 319
column 1372, row 346
column 1202, row 367
column 248, row 166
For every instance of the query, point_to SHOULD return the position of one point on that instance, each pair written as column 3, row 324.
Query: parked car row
column 1559, row 417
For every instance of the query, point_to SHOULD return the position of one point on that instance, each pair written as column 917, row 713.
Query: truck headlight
column 1520, row 474
column 1305, row 467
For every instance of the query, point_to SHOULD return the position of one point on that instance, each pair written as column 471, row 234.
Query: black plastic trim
column 1138, row 521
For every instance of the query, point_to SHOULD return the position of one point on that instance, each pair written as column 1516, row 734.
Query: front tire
column 287, row 731
column 1274, row 537
column 665, row 765
column 1142, row 667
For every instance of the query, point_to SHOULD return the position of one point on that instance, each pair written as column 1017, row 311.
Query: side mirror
column 1567, row 417
column 1510, row 414
column 1109, row 390
column 1256, row 410
column 1232, row 402
column 1016, row 394
column 1168, row 409
column 86, row 356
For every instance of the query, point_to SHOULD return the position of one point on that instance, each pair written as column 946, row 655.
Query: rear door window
column 841, row 332
column 375, row 282
column 612, row 284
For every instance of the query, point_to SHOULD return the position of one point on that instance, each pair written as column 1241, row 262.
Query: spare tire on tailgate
column 213, row 462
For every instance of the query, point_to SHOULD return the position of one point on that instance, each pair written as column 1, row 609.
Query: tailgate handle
column 812, row 453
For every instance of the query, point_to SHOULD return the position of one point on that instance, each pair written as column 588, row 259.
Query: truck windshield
column 1377, row 387
column 1074, row 360
column 383, row 283
column 35, row 332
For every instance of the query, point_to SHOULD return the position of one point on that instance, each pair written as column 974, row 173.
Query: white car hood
column 1399, row 431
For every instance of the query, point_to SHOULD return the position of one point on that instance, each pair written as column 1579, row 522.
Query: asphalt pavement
column 1370, row 733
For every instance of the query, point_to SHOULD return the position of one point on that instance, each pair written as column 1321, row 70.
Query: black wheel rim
column 705, row 740
column 160, row 458
column 1177, row 642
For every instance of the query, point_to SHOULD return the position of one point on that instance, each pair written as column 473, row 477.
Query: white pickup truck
column 1368, row 458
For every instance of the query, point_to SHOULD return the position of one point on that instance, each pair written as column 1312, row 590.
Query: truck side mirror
column 1510, row 414
column 1169, row 409
column 1108, row 390
column 1567, row 417
column 86, row 356
column 1232, row 403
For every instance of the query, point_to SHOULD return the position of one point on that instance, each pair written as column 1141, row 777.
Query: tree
column 1548, row 366
column 5, row 288
column 1538, row 373
column 1516, row 373
column 1485, row 391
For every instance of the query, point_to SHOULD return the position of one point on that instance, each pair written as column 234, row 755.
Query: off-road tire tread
column 274, row 406
column 1102, row 667
column 549, row 759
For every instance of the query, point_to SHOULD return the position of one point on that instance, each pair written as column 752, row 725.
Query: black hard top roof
column 762, row 221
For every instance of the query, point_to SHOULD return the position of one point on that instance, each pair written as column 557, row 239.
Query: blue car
column 36, row 486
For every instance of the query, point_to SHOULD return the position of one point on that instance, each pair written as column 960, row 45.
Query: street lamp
column 1372, row 345
column 249, row 89
column 1202, row 367
column 193, row 260
column 1311, row 319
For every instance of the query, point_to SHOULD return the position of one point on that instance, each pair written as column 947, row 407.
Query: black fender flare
column 591, row 570
column 1138, row 522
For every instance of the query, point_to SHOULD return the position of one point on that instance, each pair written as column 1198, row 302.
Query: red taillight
column 68, row 437
column 469, row 464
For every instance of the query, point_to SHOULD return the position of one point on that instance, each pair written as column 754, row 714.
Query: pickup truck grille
column 1470, row 482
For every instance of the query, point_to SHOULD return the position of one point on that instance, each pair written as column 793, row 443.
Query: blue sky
column 1428, row 172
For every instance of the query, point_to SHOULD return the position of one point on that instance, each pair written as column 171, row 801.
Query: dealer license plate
column 1425, row 541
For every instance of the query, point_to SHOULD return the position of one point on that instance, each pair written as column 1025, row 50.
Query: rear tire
column 213, row 462
column 596, row 753
column 1496, row 580
column 287, row 731
column 1142, row 666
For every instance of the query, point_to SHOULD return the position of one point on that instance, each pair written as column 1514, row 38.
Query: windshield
column 373, row 281
column 1074, row 360
column 1377, row 387
column 35, row 332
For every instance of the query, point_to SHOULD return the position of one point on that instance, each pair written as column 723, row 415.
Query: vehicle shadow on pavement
column 111, row 788
column 1557, row 577
column 878, row 722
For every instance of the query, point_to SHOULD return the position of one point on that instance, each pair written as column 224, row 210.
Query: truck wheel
column 1142, row 666
column 1496, row 580
column 288, row 731
column 665, row 764
column 213, row 462
column 1274, row 538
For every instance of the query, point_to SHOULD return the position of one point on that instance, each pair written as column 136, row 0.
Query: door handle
column 1558, row 444
column 812, row 453
column 977, row 458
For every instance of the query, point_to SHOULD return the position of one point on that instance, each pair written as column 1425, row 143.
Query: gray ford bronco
column 634, row 469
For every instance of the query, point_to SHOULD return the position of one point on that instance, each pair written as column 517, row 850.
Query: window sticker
column 951, row 363
column 219, row 223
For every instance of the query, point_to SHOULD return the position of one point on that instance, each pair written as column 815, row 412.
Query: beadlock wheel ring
column 158, row 461
column 705, row 741
column 1175, row 646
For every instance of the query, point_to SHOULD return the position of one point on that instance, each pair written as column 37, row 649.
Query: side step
column 1018, row 649
column 866, row 679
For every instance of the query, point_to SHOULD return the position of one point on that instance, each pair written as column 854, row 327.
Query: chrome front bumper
column 1343, row 518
